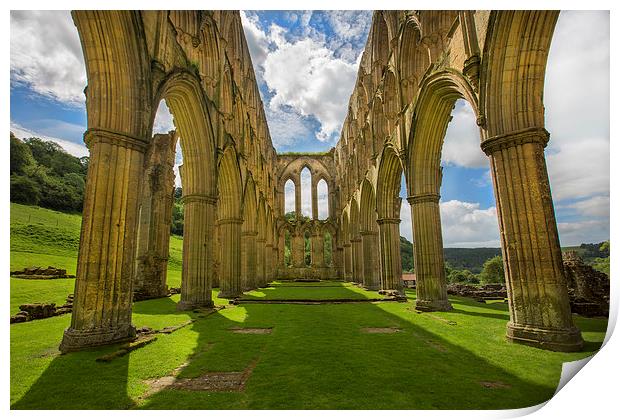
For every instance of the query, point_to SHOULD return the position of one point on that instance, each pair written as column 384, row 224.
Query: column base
column 75, row 340
column 433, row 305
column 566, row 340
column 228, row 294
column 190, row 306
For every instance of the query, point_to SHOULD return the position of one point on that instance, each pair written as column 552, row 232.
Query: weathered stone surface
column 233, row 180
column 39, row 310
column 481, row 293
column 48, row 273
column 588, row 289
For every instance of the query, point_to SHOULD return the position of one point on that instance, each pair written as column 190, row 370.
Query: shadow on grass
column 317, row 357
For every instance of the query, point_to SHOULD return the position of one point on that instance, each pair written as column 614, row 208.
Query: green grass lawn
column 317, row 356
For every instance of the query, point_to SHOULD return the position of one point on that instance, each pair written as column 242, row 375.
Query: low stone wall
column 39, row 273
column 297, row 273
column 588, row 289
column 480, row 293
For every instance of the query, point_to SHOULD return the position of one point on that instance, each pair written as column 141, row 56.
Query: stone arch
column 188, row 105
column 391, row 99
column 369, row 234
column 380, row 47
column 368, row 212
column 388, row 184
column 517, row 45
column 230, row 197
column 511, row 96
column 413, row 59
column 431, row 116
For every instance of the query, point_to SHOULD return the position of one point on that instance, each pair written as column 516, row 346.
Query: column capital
column 388, row 221
column 99, row 135
column 268, row 245
column 199, row 198
column 230, row 221
column 261, row 240
column 359, row 239
column 249, row 233
column 367, row 232
column 346, row 245
column 423, row 198
column 515, row 138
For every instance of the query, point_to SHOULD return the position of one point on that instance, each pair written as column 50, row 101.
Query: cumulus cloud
column 286, row 127
column 46, row 55
column 463, row 224
column 462, row 141
column 586, row 231
column 577, row 105
column 75, row 149
column 302, row 71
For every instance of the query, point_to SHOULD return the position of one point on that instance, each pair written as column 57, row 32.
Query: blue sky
column 306, row 63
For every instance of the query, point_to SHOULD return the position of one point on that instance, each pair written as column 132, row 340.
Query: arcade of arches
column 414, row 67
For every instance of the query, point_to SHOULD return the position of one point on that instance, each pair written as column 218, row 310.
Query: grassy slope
column 316, row 357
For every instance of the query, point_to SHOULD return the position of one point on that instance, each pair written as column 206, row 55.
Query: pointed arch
column 388, row 184
column 249, row 206
column 428, row 128
column 513, row 70
column 368, row 212
column 229, row 185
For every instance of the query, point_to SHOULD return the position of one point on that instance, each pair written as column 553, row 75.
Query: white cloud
column 462, row 141
column 467, row 225
column 306, row 193
column 322, row 199
column 75, row 149
column 463, row 225
column 587, row 231
column 597, row 206
column 302, row 72
column 286, row 127
column 46, row 55
column 577, row 105
column 289, row 196
column 163, row 119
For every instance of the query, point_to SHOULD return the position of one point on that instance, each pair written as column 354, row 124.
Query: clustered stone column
column 155, row 218
column 348, row 261
column 540, row 313
column 197, row 274
column 103, row 287
column 389, row 251
column 260, row 261
column 372, row 280
column 248, row 258
column 230, row 269
column 431, row 293
column 358, row 263
column 298, row 244
column 268, row 276
column 317, row 249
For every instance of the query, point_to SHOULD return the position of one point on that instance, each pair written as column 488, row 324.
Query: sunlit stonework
column 414, row 67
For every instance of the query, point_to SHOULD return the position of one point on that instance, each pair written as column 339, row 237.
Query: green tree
column 20, row 156
column 24, row 190
column 492, row 271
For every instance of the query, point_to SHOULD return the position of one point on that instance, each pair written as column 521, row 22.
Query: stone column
column 431, row 294
column 298, row 196
column 248, row 260
column 281, row 258
column 318, row 250
column 297, row 242
column 370, row 247
column 198, row 226
column 268, row 277
column 230, row 269
column 337, row 261
column 260, row 262
column 389, row 254
column 155, row 218
column 348, row 261
column 103, row 287
column 540, row 313
column 358, row 263
column 315, row 200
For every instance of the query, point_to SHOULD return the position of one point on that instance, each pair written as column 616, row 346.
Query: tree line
column 44, row 174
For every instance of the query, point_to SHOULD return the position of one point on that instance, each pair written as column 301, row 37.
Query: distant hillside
column 472, row 259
